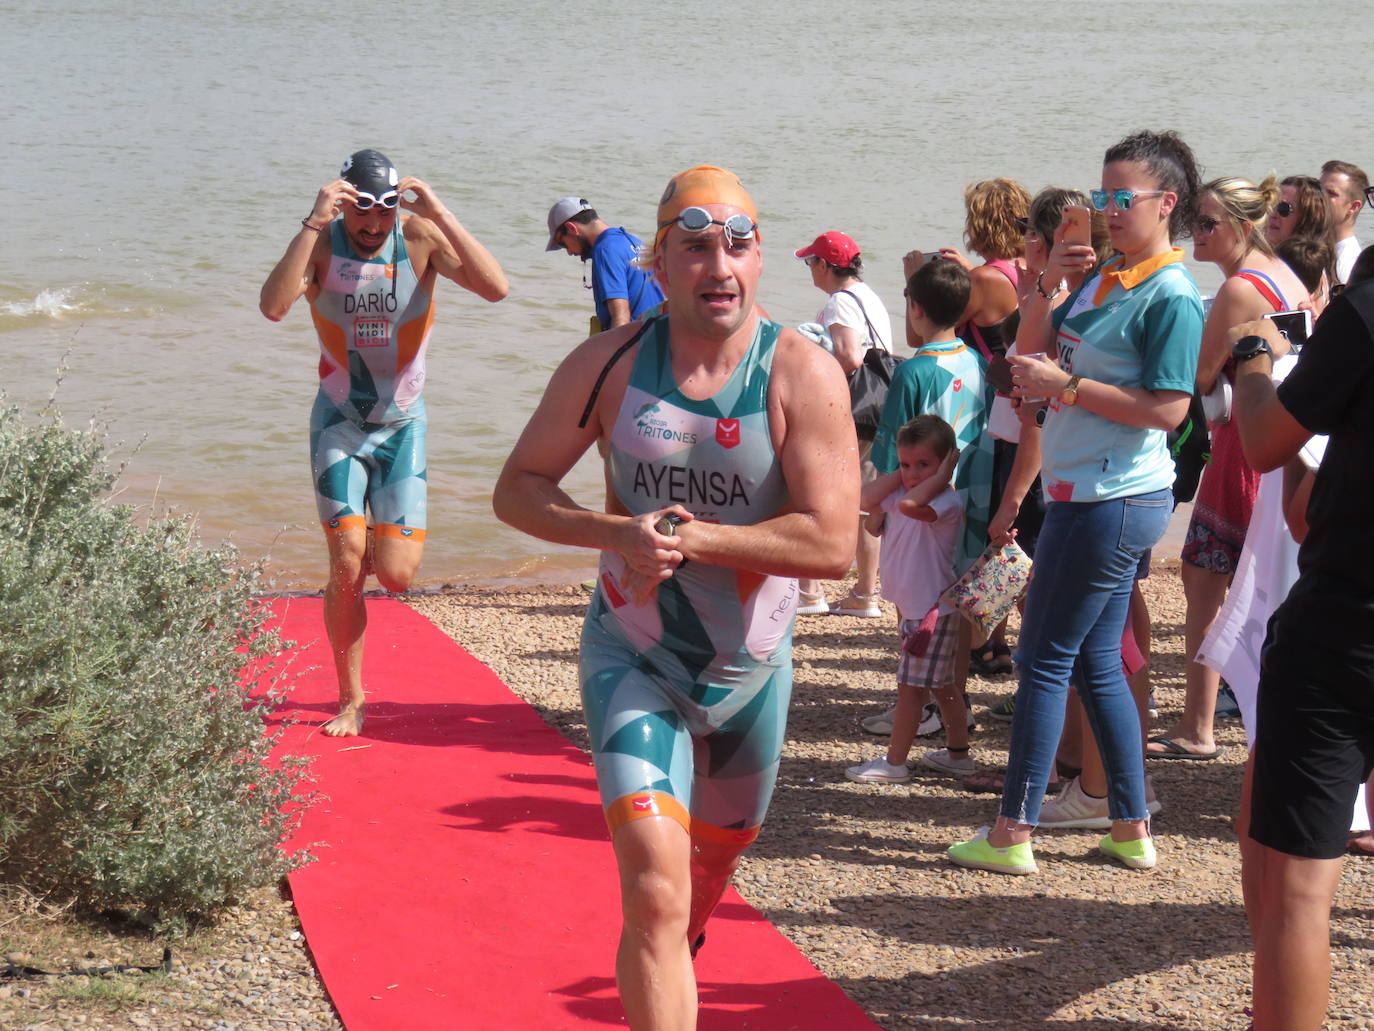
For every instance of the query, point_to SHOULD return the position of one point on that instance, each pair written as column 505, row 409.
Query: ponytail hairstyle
column 1170, row 163
column 1244, row 203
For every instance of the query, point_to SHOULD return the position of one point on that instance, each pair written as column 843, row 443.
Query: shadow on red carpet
column 464, row 875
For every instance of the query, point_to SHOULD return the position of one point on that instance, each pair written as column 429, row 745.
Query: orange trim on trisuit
column 342, row 524
column 404, row 533
column 643, row 804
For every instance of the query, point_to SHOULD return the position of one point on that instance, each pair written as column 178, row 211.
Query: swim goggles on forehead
column 1123, row 199
column 698, row 220
column 366, row 201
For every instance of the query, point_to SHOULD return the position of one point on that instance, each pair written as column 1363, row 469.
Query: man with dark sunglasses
column 621, row 290
column 731, row 468
column 368, row 271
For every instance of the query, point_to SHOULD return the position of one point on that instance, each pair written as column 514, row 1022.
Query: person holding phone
column 1230, row 232
column 1126, row 343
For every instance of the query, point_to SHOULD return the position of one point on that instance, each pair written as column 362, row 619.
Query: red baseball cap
column 832, row 248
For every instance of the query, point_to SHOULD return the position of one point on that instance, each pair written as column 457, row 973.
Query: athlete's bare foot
column 348, row 723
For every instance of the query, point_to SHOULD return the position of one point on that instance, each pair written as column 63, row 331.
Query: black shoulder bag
column 868, row 384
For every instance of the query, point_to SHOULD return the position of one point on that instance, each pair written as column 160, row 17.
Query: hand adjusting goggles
column 366, row 201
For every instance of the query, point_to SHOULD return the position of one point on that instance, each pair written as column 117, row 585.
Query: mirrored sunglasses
column 1123, row 199
column 698, row 220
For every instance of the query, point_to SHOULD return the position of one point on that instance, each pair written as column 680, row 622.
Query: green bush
column 134, row 766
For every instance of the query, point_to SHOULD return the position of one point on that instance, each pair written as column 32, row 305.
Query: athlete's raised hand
column 425, row 203
column 329, row 199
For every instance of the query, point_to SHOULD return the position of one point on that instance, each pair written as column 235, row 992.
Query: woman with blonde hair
column 1230, row 231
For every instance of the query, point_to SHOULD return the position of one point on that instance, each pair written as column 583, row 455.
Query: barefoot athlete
column 369, row 276
column 731, row 467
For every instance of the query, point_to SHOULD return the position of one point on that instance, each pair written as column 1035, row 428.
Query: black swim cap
column 370, row 171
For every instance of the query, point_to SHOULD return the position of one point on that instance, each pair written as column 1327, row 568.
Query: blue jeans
column 1076, row 609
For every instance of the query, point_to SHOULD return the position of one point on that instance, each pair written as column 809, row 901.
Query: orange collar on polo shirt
column 1134, row 276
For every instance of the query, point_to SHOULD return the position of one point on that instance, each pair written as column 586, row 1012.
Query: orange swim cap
column 704, row 184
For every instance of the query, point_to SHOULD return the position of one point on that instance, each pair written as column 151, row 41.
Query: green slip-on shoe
column 1138, row 855
column 977, row 854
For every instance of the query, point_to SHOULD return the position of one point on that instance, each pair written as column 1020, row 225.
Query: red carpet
column 464, row 875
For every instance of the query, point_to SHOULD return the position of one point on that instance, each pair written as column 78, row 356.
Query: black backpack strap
column 876, row 341
column 606, row 370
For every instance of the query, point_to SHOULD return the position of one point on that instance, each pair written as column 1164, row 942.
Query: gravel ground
column 854, row 874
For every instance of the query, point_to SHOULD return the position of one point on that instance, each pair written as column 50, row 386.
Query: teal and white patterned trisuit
column 686, row 696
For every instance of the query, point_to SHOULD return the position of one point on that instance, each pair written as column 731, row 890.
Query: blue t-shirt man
column 615, row 274
column 575, row 227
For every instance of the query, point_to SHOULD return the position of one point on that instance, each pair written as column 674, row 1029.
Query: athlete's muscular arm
column 294, row 272
column 456, row 253
column 808, row 405
column 528, row 495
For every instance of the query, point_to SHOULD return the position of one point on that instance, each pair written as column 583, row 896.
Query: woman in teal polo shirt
column 1125, row 351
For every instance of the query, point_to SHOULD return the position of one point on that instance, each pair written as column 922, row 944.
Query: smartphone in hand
column 1077, row 223
column 1296, row 326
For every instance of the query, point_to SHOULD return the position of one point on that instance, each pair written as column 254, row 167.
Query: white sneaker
column 813, row 605
column 864, row 605
column 878, row 771
column 931, row 724
column 940, row 759
column 881, row 723
column 1074, row 808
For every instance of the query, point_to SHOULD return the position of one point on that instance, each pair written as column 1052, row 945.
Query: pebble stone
column 854, row 874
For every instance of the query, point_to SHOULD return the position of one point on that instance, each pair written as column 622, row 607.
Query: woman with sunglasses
column 1231, row 231
column 855, row 319
column 1126, row 346
column 1300, row 209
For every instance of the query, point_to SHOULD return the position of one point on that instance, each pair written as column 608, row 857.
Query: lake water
column 160, row 159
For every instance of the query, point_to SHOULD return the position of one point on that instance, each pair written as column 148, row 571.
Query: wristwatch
column 1251, row 347
column 1069, row 395
column 668, row 523
column 667, row 526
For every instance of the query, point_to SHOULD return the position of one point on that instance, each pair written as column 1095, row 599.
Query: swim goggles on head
column 365, row 201
column 698, row 220
column 1123, row 199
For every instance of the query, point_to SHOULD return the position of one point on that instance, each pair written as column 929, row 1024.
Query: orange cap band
column 704, row 184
